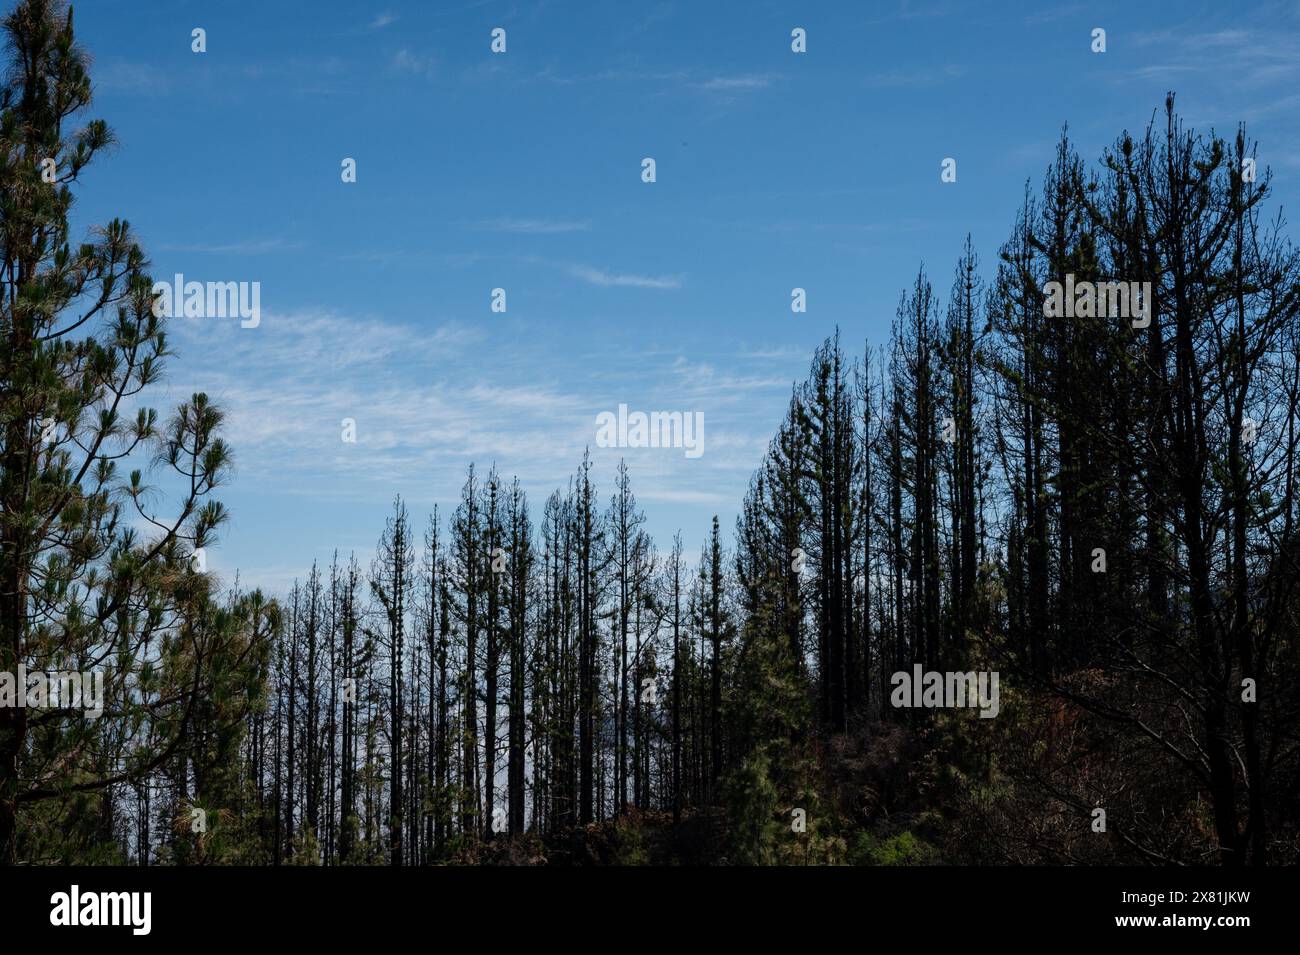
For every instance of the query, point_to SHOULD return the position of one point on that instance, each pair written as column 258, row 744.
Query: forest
column 1098, row 505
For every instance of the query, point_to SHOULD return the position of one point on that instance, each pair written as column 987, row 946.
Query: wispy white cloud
column 785, row 353
column 736, row 84
column 426, row 403
column 1239, row 57
column 431, row 394
column 707, row 383
column 416, row 64
column 382, row 20
column 126, row 77
column 654, row 15
column 595, row 276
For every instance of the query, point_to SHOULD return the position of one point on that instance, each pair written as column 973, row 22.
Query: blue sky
column 523, row 171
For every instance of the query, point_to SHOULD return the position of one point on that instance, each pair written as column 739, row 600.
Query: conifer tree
column 82, row 586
